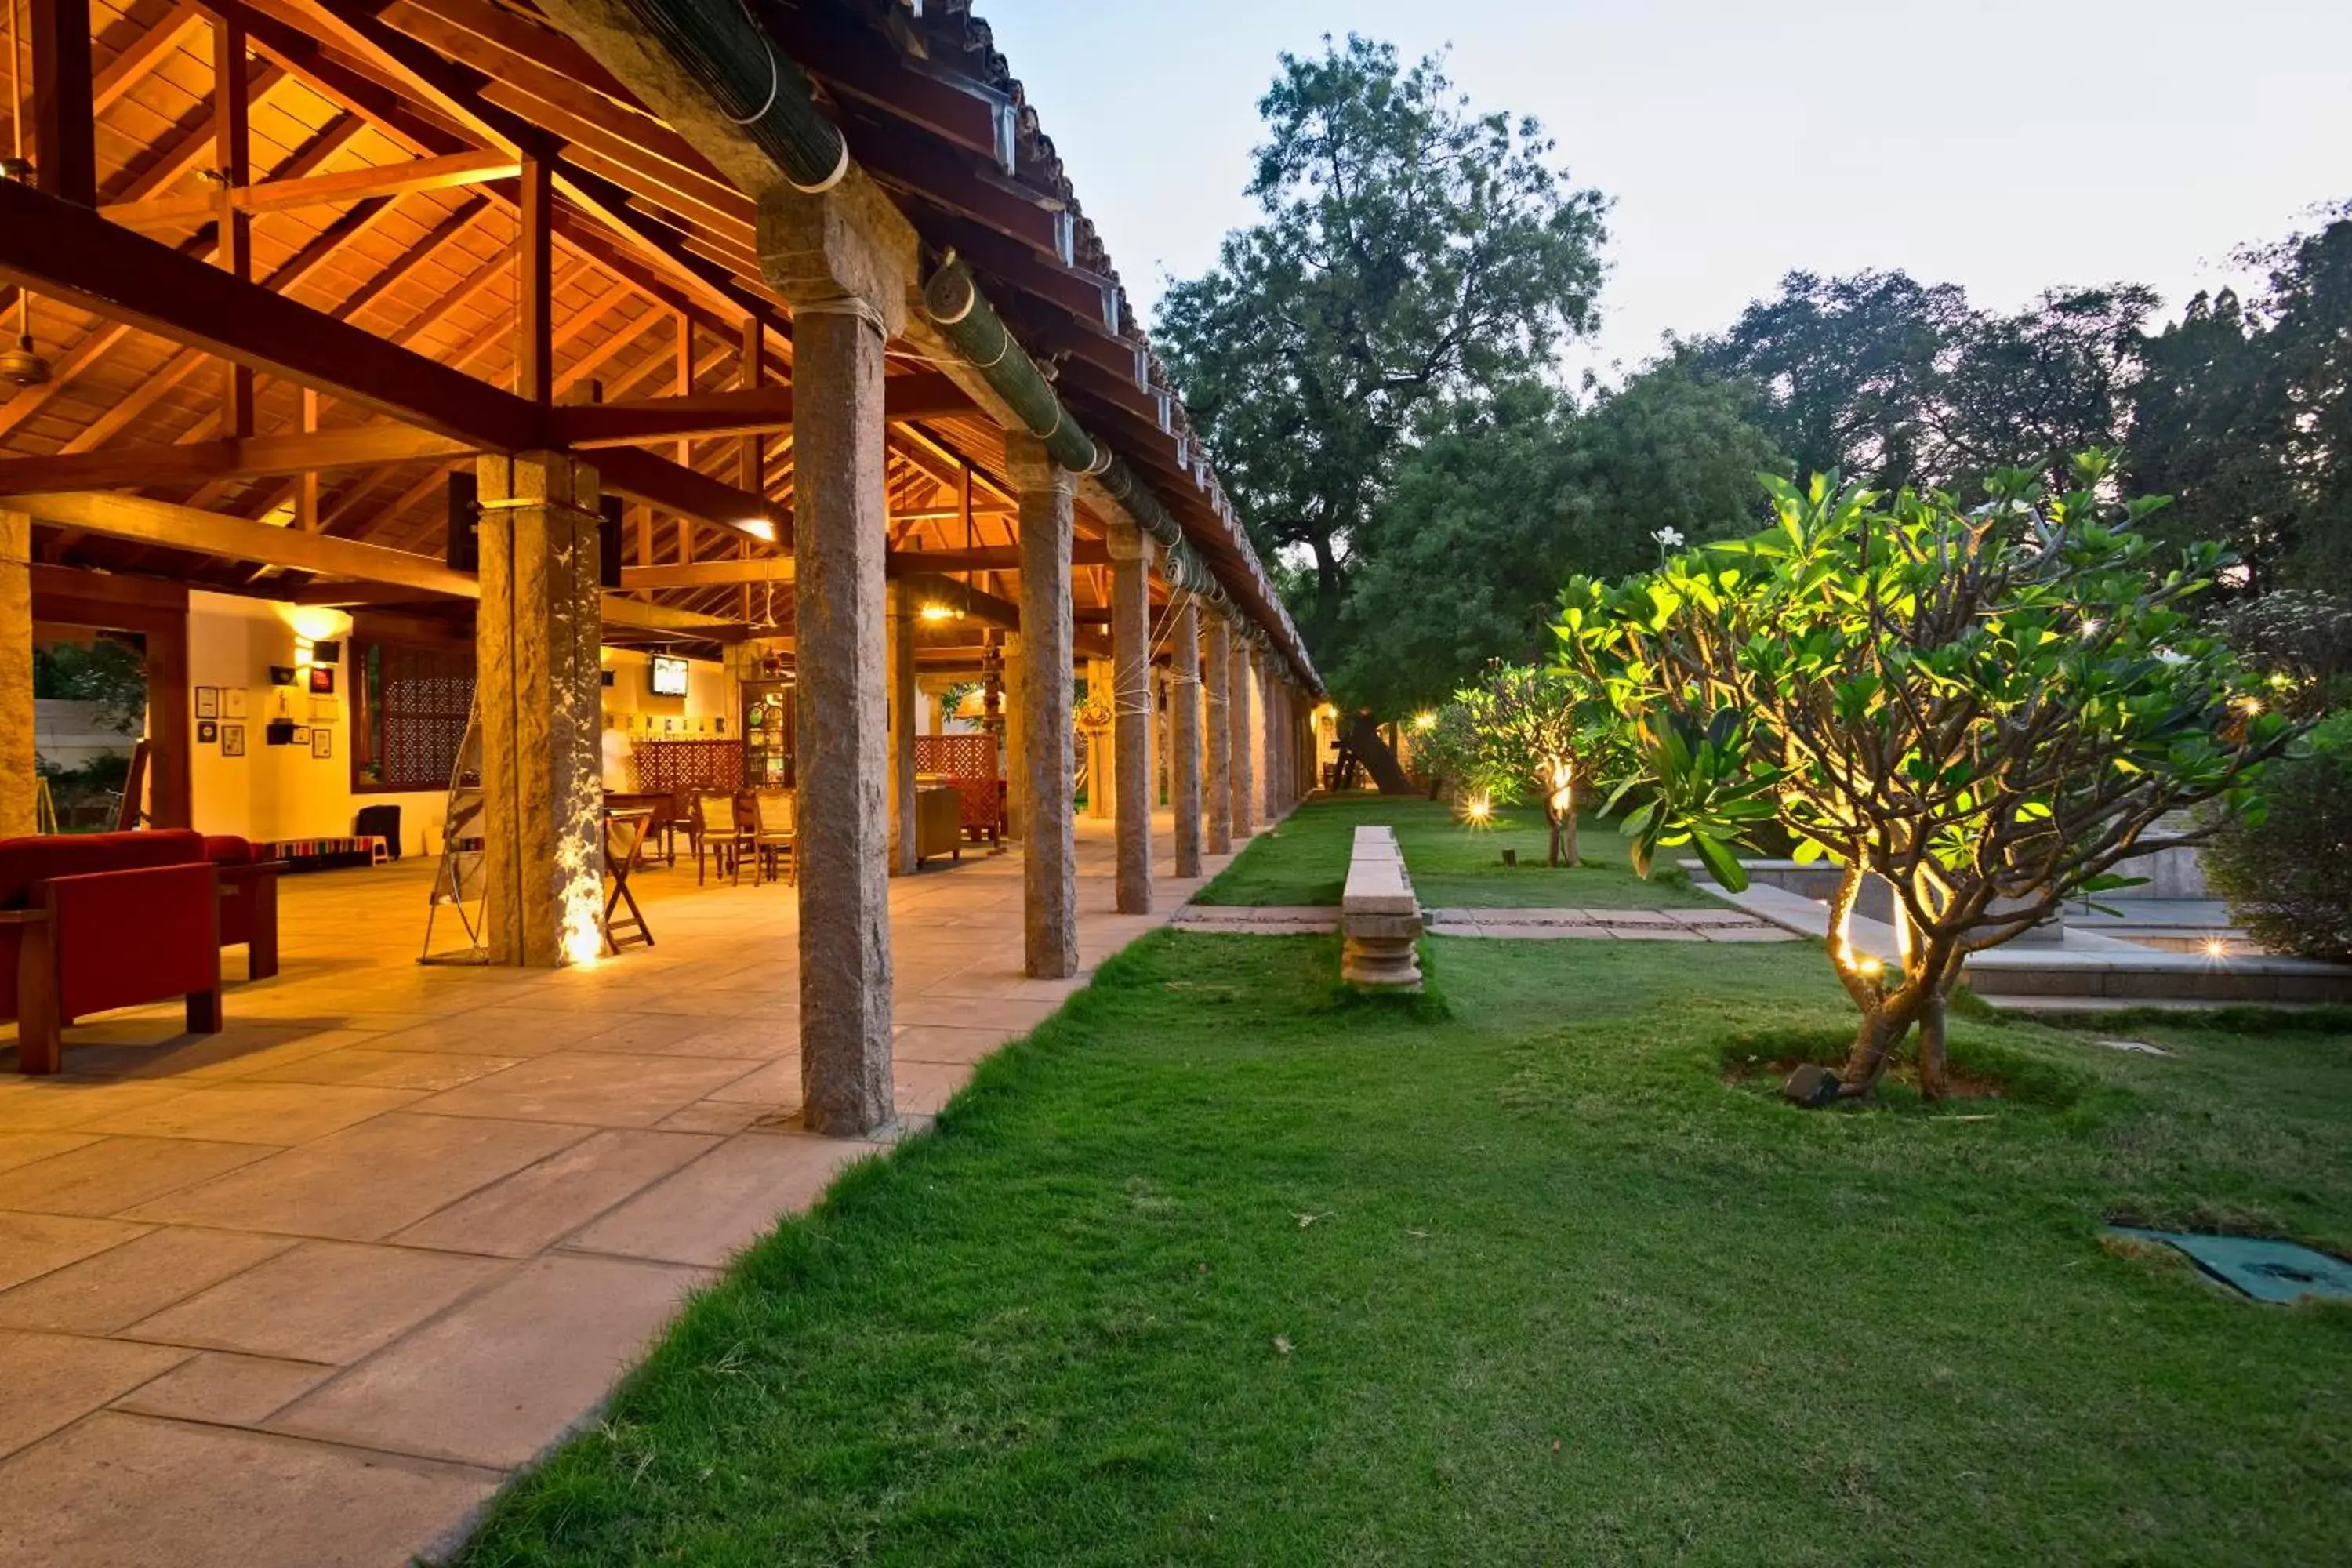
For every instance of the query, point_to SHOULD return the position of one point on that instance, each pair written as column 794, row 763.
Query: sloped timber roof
column 384, row 139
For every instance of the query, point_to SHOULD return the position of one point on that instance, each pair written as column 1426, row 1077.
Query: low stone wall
column 1877, row 902
column 1380, row 918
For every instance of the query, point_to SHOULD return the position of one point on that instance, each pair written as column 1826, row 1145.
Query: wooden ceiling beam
column 146, row 51
column 739, row 411
column 64, row 123
column 200, row 462
column 321, row 190
column 709, row 573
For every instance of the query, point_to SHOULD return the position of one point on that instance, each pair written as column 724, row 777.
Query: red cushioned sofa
column 93, row 922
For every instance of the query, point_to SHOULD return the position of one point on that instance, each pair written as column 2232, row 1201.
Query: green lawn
column 1221, row 1266
column 1305, row 860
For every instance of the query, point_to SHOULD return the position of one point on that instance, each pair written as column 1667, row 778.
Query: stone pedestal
column 1133, row 719
column 19, row 776
column 1379, row 917
column 1240, row 726
column 1184, row 733
column 537, row 637
column 1049, row 851
column 1217, row 732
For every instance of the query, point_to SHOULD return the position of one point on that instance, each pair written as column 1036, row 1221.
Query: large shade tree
column 1504, row 496
column 1409, row 250
column 1986, row 707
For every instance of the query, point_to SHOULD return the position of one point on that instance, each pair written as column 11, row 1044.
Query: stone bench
column 1379, row 919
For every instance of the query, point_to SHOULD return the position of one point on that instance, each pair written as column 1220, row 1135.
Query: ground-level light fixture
column 1424, row 720
column 1478, row 808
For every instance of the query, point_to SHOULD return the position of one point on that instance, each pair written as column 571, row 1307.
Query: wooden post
column 534, row 265
column 65, row 149
column 170, row 736
column 754, row 475
column 232, row 155
column 536, row 636
column 19, row 771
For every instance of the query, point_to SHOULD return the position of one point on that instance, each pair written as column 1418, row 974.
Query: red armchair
column 94, row 921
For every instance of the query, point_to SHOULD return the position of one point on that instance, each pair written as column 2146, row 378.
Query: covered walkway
column 305, row 1291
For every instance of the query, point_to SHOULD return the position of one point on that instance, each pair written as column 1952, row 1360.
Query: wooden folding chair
column 625, row 843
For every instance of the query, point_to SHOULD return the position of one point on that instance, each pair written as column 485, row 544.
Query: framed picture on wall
column 207, row 701
column 323, row 708
column 207, row 733
column 322, row 679
column 233, row 703
column 322, row 742
column 301, row 736
column 232, row 740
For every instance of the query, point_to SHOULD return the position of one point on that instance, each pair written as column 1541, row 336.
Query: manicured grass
column 1221, row 1267
column 1305, row 860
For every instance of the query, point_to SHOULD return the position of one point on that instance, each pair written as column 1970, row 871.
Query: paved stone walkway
column 1621, row 925
column 1258, row 919
column 307, row 1291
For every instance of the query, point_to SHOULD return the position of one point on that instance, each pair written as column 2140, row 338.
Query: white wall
column 708, row 711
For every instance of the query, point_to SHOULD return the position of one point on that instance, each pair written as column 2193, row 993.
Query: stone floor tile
column 537, row 1207
column 589, row 1088
column 944, row 1042
column 1653, row 933
column 723, row 1118
column 66, row 1100
column 112, row 1290
column 374, row 1068
column 965, row 1013
column 769, row 1033
column 33, row 1244
column 228, row 1389
column 712, row 1209
column 26, row 1148
column 770, row 1083
column 113, row 1175
column 1749, row 933
column 238, row 1113
column 322, row 1301
column 122, row 1489
column 506, row 1375
column 923, row 1088
column 53, row 1380
column 364, row 1183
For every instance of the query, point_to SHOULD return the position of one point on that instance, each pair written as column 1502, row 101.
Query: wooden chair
column 773, row 832
column 717, row 830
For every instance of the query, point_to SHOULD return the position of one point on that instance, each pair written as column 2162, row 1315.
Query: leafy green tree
column 2245, row 415
column 1527, row 734
column 1408, row 251
column 2040, row 385
column 1503, row 498
column 1847, row 368
column 103, row 671
column 1986, row 707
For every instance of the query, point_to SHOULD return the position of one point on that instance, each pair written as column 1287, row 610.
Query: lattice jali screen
column 968, row 762
column 678, row 766
column 424, row 702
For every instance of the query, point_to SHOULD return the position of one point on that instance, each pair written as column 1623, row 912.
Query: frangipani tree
column 1525, row 733
column 1985, row 706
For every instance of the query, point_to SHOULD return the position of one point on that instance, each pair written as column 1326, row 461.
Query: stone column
column 901, row 704
column 536, row 635
column 1049, row 847
column 1013, row 756
column 1217, row 687
column 1184, row 732
column 1262, row 759
column 1244, row 744
column 827, row 256
column 19, row 774
column 1130, row 629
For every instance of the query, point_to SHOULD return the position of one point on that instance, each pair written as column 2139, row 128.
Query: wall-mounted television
column 669, row 676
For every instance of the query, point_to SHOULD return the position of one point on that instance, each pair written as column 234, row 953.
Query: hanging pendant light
column 21, row 365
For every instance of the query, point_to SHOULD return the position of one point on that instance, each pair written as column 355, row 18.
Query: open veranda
column 1221, row 1265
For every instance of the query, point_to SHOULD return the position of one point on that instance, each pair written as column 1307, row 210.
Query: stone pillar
column 830, row 259
column 1131, row 551
column 1184, row 733
column 536, row 635
column 1244, row 744
column 1049, row 848
column 900, row 701
column 19, row 774
column 1262, row 753
column 1013, row 756
column 1217, row 764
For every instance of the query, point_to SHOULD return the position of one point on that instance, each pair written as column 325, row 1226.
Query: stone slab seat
column 1380, row 918
column 94, row 921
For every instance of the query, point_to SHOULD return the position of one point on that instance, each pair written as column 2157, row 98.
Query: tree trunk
column 1569, row 826
column 1935, row 1073
column 1873, row 1048
column 1551, row 854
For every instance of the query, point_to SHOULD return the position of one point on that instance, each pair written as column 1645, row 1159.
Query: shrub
column 2289, row 881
